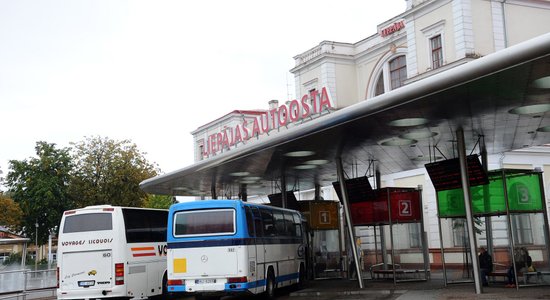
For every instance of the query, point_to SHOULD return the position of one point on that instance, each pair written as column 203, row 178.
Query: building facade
column 431, row 36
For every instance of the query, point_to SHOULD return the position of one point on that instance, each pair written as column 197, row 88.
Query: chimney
column 273, row 104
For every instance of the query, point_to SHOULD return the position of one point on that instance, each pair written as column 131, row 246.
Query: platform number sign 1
column 405, row 208
column 324, row 217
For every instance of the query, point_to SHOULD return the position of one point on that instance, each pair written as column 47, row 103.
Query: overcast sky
column 153, row 71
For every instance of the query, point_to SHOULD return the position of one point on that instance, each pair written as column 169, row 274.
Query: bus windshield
column 205, row 222
column 88, row 222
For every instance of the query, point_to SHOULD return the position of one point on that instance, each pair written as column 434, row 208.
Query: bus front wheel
column 270, row 285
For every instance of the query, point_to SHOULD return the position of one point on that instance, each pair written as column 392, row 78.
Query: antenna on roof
column 289, row 95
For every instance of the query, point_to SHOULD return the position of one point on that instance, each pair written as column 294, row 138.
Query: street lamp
column 36, row 247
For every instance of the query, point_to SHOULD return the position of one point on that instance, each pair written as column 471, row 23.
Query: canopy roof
column 503, row 97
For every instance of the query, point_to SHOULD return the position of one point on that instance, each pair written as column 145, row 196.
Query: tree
column 11, row 212
column 40, row 186
column 1, row 178
column 159, row 201
column 109, row 172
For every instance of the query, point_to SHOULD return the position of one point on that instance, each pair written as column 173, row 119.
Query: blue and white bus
column 227, row 247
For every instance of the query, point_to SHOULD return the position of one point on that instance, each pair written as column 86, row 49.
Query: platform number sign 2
column 324, row 217
column 405, row 208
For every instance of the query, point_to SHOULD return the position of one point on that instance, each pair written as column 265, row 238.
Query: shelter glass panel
column 457, row 257
column 326, row 253
column 521, row 225
column 524, row 192
column 409, row 260
column 451, row 203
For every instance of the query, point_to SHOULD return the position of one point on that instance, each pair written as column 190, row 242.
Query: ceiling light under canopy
column 541, row 83
column 395, row 141
column 408, row 122
column 530, row 109
column 418, row 135
column 303, row 153
column 305, row 167
column 239, row 174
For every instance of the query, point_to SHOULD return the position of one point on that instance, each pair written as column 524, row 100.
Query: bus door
column 257, row 268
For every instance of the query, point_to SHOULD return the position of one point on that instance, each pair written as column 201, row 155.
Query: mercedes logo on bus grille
column 204, row 258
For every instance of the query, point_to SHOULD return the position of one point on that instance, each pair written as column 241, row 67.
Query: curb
column 371, row 293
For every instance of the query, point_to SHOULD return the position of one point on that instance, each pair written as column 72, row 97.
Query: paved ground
column 433, row 289
column 424, row 290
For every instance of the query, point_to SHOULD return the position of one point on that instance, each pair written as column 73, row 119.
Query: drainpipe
column 505, row 31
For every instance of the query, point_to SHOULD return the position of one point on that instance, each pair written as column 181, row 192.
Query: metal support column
column 511, row 233
column 545, row 212
column 213, row 188
column 383, row 248
column 391, row 238
column 423, row 235
column 441, row 245
column 347, row 215
column 283, row 188
column 242, row 192
column 468, row 207
column 377, row 179
column 317, row 192
column 488, row 222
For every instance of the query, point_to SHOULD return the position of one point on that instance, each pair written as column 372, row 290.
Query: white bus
column 230, row 247
column 108, row 251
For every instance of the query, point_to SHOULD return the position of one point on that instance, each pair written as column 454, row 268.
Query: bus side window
column 258, row 225
column 158, row 221
column 289, row 228
column 279, row 223
column 249, row 221
column 297, row 225
column 137, row 226
column 267, row 218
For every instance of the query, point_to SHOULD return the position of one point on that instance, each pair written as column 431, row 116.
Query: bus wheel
column 270, row 285
column 164, row 286
column 165, row 294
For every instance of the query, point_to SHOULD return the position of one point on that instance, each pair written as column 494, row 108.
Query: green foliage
column 159, row 201
column 39, row 186
column 461, row 224
column 97, row 171
column 15, row 258
column 11, row 212
column 1, row 177
column 109, row 172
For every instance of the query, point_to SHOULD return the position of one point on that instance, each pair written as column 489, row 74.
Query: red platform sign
column 404, row 203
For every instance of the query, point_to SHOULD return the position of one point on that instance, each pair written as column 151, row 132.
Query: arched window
column 379, row 90
column 390, row 73
column 398, row 71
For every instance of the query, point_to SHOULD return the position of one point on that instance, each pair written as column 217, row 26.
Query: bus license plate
column 86, row 283
column 205, row 281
